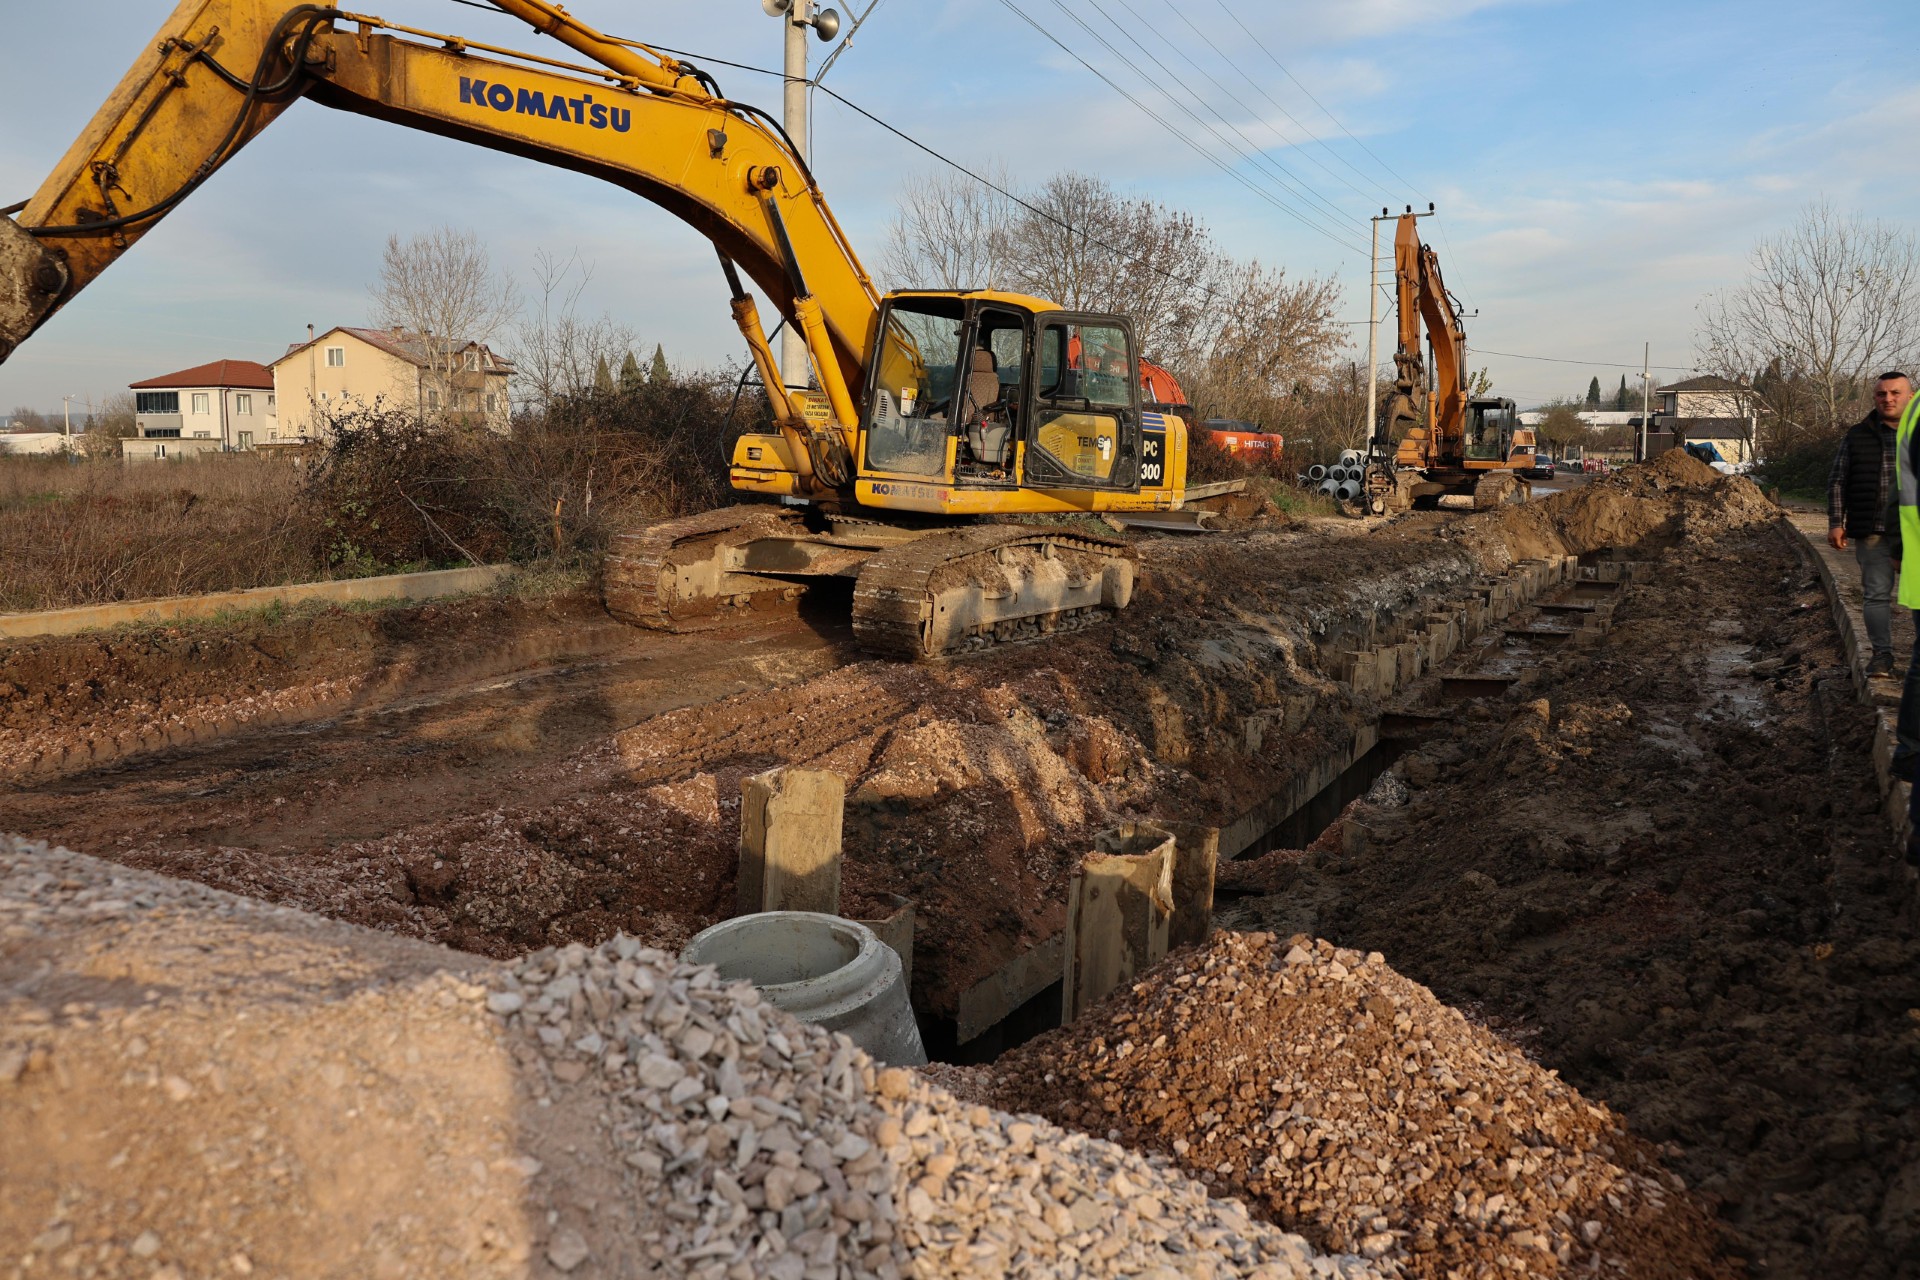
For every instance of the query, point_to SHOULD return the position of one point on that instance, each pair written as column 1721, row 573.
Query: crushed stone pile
column 198, row 1084
column 1350, row 1105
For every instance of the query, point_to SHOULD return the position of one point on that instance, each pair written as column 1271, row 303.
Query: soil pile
column 1636, row 510
column 1354, row 1107
column 198, row 1084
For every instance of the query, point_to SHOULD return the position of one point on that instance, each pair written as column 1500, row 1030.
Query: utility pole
column 66, row 414
column 1646, row 396
column 797, row 16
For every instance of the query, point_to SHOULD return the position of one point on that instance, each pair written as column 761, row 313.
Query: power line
column 1316, row 102
column 1256, row 154
column 1177, row 12
column 1147, row 111
column 1624, row 366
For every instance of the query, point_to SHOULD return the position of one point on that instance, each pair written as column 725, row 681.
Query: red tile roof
column 217, row 373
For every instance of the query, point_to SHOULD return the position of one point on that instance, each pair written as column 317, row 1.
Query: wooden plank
column 1119, row 909
column 790, row 823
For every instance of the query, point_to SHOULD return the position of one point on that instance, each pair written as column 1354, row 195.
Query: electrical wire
column 1623, row 365
column 1177, row 12
column 1310, row 218
column 1254, row 153
column 1147, row 111
column 1316, row 102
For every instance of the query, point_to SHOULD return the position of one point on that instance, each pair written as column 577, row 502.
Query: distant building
column 1704, row 397
column 358, row 368
column 40, row 442
column 219, row 407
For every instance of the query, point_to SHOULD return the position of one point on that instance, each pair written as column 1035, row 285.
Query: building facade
column 346, row 368
column 224, row 406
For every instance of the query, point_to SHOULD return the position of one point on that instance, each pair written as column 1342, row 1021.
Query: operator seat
column 987, row 440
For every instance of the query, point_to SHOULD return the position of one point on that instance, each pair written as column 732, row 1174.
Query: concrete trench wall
column 1377, row 655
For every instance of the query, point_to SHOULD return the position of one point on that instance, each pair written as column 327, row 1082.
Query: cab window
column 1089, row 362
column 910, row 402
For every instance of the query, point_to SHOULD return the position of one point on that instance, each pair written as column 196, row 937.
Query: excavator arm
column 1434, row 423
column 220, row 71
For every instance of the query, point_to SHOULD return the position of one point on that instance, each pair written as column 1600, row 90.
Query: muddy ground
column 1661, row 867
column 1637, row 881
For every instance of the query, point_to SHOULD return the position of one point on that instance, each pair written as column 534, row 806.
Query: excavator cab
column 1490, row 427
column 989, row 394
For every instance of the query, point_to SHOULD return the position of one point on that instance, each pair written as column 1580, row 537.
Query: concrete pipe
column 1349, row 457
column 1316, row 473
column 1348, row 490
column 822, row 969
column 1329, row 486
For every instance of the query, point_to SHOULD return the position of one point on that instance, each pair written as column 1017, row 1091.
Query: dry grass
column 97, row 532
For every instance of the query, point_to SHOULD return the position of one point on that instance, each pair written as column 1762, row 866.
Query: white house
column 218, row 407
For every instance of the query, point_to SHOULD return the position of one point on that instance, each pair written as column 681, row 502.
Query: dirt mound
column 198, row 1084
column 1357, row 1109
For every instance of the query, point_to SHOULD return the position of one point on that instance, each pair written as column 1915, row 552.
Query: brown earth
column 1348, row 1104
column 1662, row 869
column 1648, row 916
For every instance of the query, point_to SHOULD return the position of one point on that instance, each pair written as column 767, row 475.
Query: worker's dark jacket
column 1861, row 497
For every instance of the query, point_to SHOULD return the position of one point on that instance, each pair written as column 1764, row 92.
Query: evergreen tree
column 602, row 376
column 629, row 373
column 660, row 371
column 1620, row 396
column 1593, row 392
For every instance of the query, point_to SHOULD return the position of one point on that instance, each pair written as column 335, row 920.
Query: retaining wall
column 392, row 586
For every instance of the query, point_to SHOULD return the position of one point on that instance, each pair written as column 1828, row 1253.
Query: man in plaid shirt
column 1863, row 508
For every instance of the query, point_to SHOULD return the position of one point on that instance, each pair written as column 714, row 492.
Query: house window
column 336, row 357
column 270, row 408
column 489, row 402
column 473, row 361
column 162, row 433
column 433, row 399
column 242, row 403
column 200, row 402
column 272, row 434
column 246, row 439
column 156, row 402
column 159, row 451
column 203, row 435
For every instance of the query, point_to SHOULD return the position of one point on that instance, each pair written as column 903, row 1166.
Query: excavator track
column 1499, row 489
column 652, row 574
column 960, row 590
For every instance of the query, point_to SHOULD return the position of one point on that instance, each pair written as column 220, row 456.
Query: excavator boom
column 220, row 71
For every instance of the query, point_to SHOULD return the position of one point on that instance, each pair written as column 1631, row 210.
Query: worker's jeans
column 1875, row 553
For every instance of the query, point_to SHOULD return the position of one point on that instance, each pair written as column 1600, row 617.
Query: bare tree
column 949, row 232
column 1561, row 424
column 556, row 352
column 1826, row 305
column 113, row 422
column 442, row 287
column 1264, row 346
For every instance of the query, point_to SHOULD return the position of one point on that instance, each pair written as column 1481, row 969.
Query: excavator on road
column 930, row 408
column 1449, row 444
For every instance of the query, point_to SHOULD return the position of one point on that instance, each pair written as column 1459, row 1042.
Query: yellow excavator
column 1448, row 443
column 929, row 410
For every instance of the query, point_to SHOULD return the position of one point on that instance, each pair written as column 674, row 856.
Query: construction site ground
column 1659, row 864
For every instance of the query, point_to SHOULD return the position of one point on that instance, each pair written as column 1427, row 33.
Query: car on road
column 1542, row 468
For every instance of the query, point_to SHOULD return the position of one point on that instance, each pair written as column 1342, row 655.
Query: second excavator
column 1432, row 440
column 929, row 410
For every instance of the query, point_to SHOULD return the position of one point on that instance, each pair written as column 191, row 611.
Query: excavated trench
column 1605, row 849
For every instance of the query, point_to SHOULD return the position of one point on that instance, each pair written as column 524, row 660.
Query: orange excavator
column 1432, row 440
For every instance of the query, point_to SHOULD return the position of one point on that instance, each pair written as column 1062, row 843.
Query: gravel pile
column 1349, row 1104
column 197, row 1084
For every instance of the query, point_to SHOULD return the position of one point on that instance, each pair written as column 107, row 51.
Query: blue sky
column 1598, row 168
